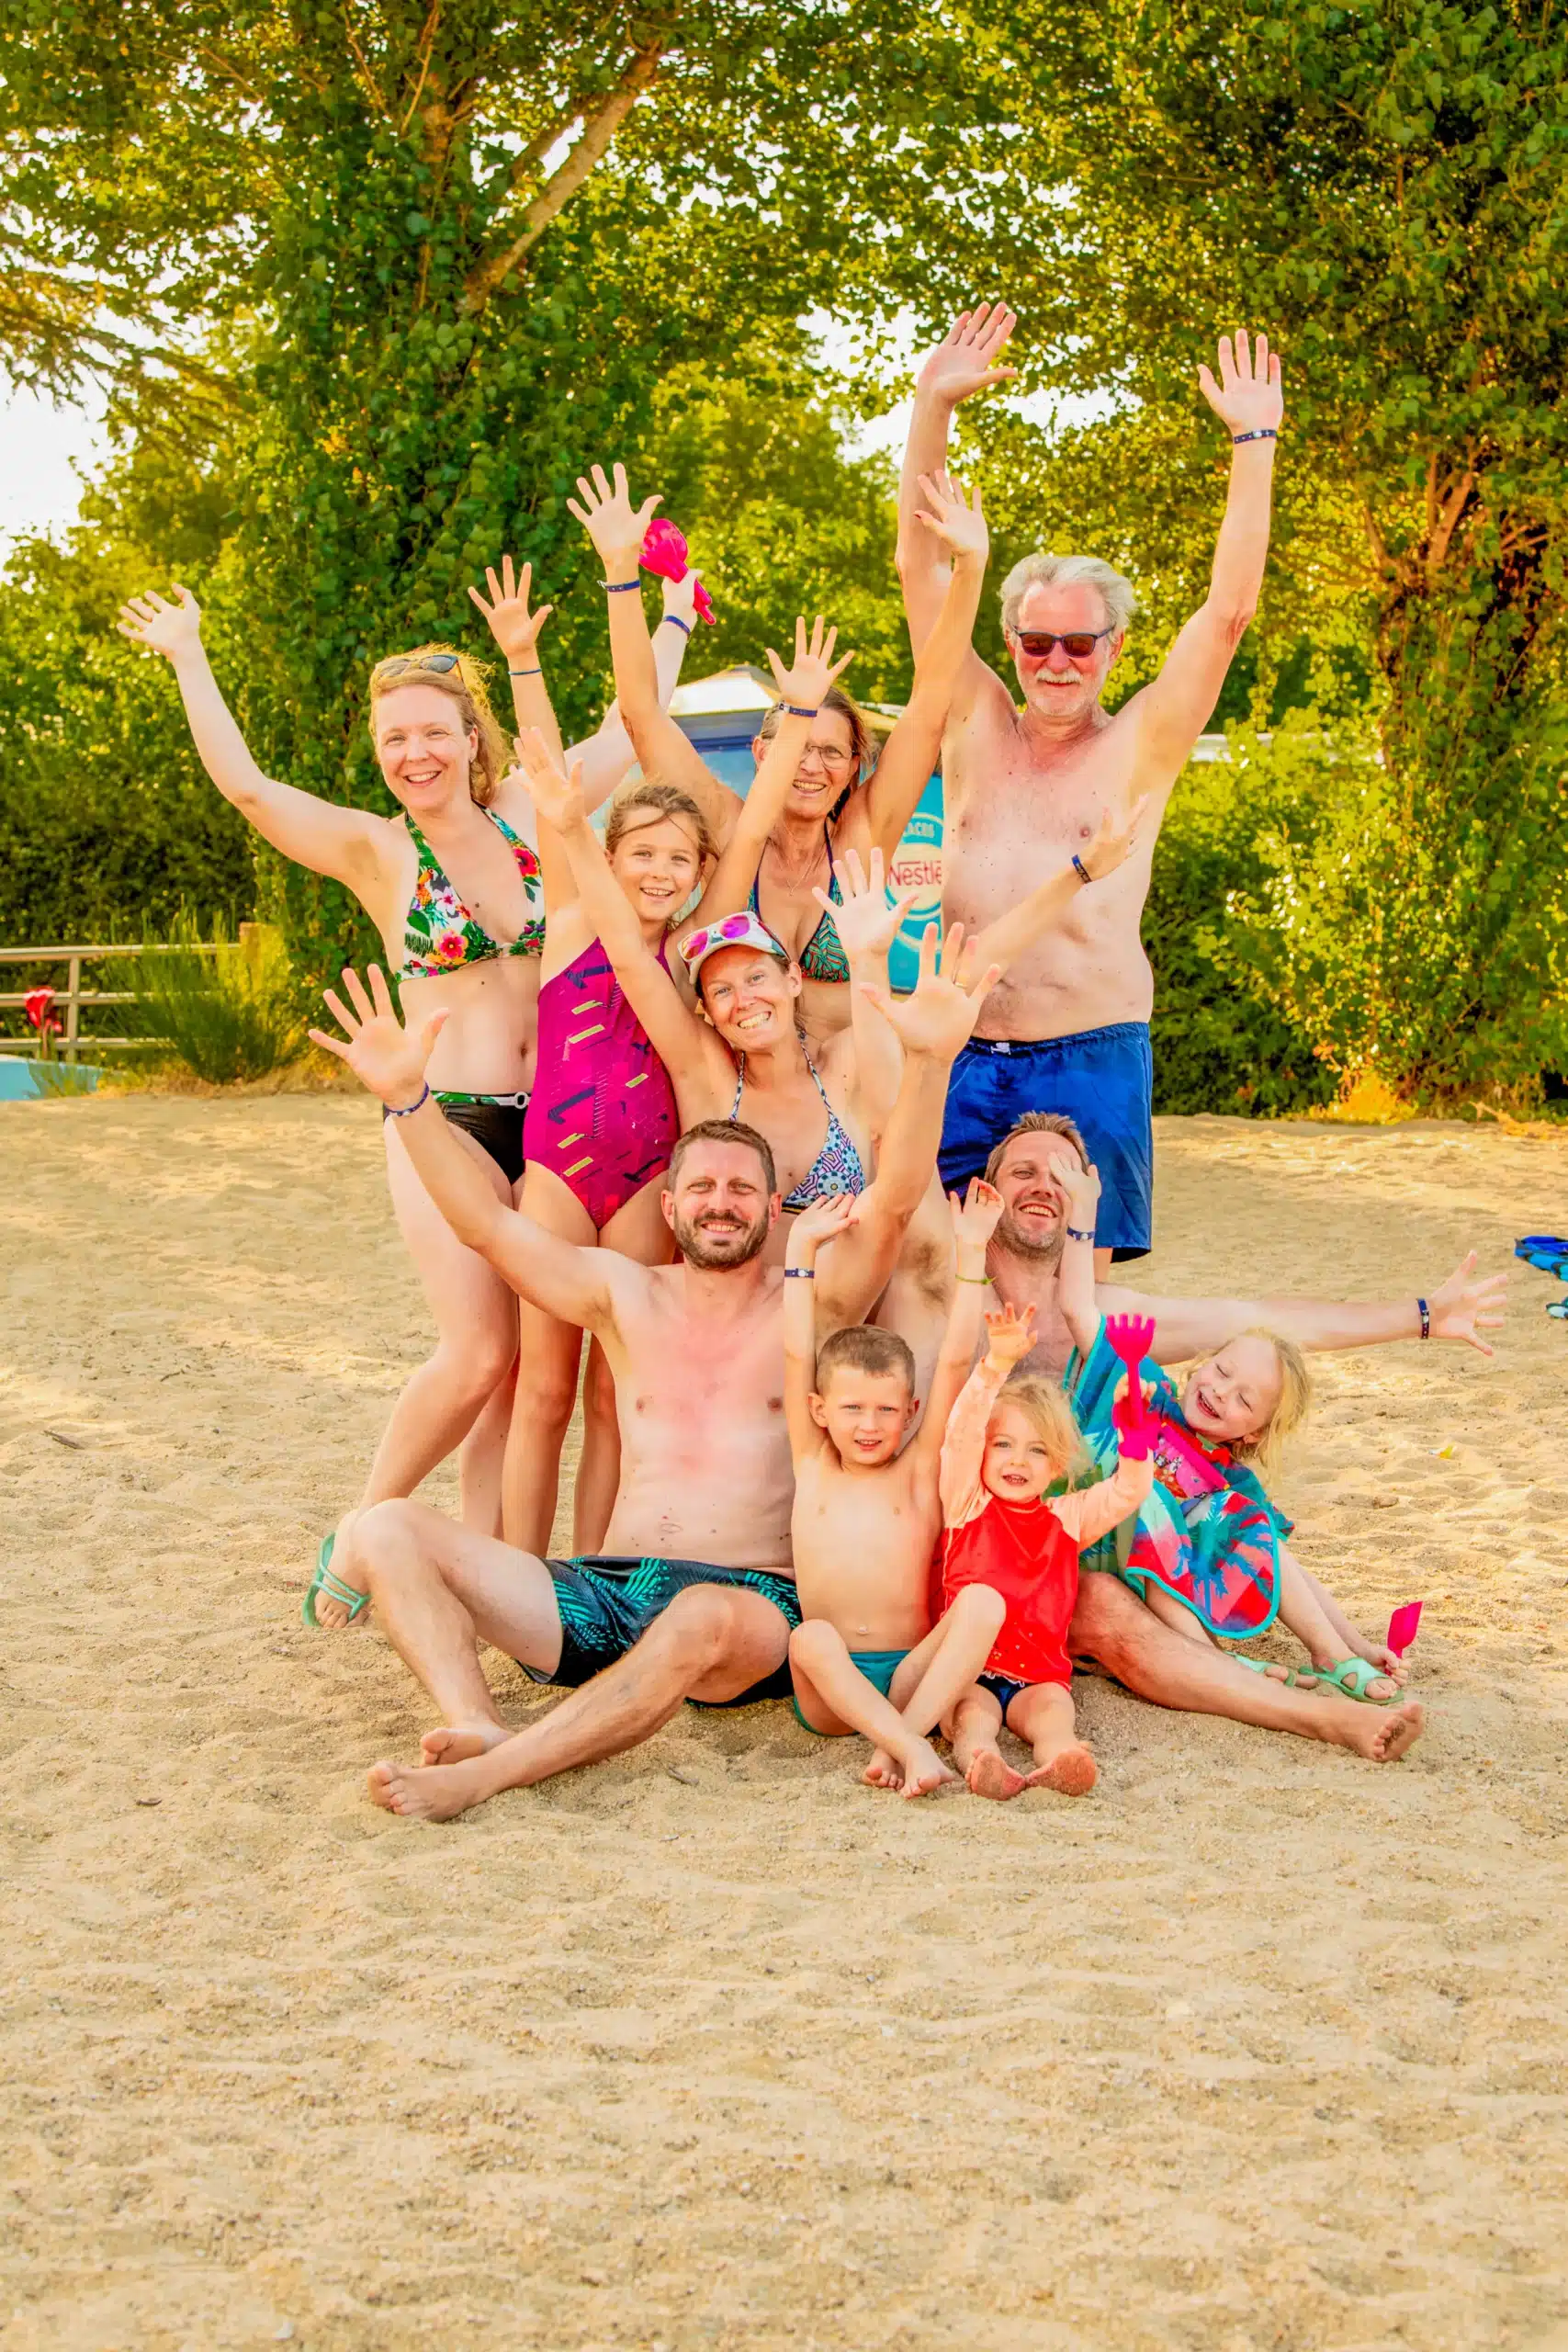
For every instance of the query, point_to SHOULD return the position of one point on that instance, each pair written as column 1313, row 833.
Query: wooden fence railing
column 73, row 996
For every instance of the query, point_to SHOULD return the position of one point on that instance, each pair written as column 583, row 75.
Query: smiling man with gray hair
column 1068, row 1028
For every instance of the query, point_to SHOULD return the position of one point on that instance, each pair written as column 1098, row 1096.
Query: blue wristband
column 1264, row 433
column 1073, row 1234
column 676, row 622
column 409, row 1108
column 795, row 711
column 1080, row 869
column 620, row 587
column 800, row 1273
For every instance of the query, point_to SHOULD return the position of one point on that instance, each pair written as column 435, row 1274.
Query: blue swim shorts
column 608, row 1604
column 1100, row 1078
column 878, row 1667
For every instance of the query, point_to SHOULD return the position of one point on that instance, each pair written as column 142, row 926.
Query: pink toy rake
column 1129, row 1336
column 664, row 553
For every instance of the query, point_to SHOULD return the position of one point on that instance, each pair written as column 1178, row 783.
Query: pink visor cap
column 731, row 931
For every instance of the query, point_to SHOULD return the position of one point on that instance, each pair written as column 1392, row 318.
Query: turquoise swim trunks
column 878, row 1667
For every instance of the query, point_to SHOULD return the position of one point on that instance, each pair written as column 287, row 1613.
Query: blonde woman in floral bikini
column 452, row 887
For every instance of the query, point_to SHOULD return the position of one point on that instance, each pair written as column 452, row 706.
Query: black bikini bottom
column 495, row 1121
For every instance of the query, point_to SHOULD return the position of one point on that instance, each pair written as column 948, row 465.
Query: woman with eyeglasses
column 452, row 885
column 835, row 801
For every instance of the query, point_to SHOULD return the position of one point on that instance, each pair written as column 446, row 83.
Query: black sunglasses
column 1079, row 642
column 441, row 662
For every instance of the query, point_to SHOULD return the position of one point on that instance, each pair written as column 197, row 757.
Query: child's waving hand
column 825, row 1219
column 976, row 1216
column 1009, row 1335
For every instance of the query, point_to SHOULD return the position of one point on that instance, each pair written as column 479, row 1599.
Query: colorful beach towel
column 1208, row 1534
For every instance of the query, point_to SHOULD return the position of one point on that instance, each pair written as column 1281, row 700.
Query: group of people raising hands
column 635, row 1059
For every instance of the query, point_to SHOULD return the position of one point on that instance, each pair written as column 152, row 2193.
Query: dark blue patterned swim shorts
column 608, row 1605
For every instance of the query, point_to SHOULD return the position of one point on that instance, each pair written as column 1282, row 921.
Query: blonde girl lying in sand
column 1008, row 1440
column 1207, row 1551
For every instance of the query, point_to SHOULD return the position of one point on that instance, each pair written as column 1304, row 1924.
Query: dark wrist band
column 794, row 710
column 525, row 674
column 1080, row 869
column 1425, row 1312
column 409, row 1108
column 620, row 587
column 1264, row 433
column 800, row 1273
column 676, row 622
column 1073, row 1234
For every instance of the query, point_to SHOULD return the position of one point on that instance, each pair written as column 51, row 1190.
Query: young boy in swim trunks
column 866, row 1517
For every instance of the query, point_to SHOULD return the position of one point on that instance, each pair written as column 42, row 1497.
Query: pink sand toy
column 1128, row 1337
column 1402, row 1627
column 664, row 552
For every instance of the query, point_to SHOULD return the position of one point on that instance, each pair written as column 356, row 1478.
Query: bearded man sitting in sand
column 696, row 1597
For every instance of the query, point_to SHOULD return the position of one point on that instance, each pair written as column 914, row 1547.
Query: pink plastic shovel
column 1402, row 1627
column 664, row 552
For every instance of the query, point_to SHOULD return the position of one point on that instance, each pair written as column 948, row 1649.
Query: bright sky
column 42, row 446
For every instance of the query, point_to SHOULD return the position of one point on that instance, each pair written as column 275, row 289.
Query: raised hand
column 161, row 627
column 964, row 361
column 557, row 797
column 958, row 524
column 609, row 518
column 680, row 598
column 867, row 919
column 939, row 1018
column 382, row 1054
column 813, row 670
column 1080, row 1188
column 976, row 1216
column 823, row 1221
column 1464, row 1308
column 514, row 628
column 1248, row 397
column 1113, row 842
column 1009, row 1335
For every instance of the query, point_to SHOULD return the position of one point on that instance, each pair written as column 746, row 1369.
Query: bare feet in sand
column 914, row 1773
column 990, row 1775
column 1382, row 1734
column 456, row 1743
column 1072, row 1773
column 426, row 1792
column 880, row 1772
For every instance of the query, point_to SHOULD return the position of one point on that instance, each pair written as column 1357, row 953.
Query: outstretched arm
column 1080, row 1188
column 1009, row 1338
column 608, row 756
column 1175, row 708
column 821, row 1222
column 575, row 1285
column 912, row 751
column 973, row 1222
column 867, row 921
column 1459, row 1309
column 616, row 529
column 1003, row 942
column 344, row 843
column 963, row 363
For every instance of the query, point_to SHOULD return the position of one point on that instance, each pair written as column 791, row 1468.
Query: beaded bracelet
column 1264, row 433
column 1425, row 1312
column 676, row 622
column 620, row 587
column 409, row 1108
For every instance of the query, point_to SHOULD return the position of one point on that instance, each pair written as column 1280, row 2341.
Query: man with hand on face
column 694, row 1597
column 1068, row 1030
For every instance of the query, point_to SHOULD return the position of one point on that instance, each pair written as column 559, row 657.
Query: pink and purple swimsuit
column 602, row 1115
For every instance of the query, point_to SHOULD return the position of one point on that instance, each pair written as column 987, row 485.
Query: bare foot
column 424, row 1792
column 882, row 1773
column 456, row 1743
column 990, row 1775
column 1381, row 1736
column 923, row 1770
column 1072, row 1773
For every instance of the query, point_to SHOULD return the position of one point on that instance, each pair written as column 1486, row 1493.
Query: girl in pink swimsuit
column 597, row 1136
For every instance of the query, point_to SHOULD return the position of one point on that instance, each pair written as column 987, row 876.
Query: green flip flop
column 356, row 1603
column 1351, row 1677
column 1290, row 1677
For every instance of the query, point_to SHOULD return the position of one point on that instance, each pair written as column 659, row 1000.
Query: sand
column 1257, row 2046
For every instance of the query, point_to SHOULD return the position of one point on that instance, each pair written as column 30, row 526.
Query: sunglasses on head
column 1079, row 642
column 741, row 926
column 440, row 663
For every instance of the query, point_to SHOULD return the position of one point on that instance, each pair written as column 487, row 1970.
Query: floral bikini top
column 441, row 935
column 837, row 1167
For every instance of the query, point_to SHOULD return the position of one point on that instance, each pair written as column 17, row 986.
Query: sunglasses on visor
column 1079, row 642
column 441, row 662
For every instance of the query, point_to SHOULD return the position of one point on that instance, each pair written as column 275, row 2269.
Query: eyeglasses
column 439, row 663
column 1079, row 642
column 832, row 755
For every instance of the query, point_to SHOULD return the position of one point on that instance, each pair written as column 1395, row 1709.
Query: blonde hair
column 1116, row 593
column 637, row 806
column 464, row 685
column 1045, row 1408
column 1038, row 1123
column 1295, row 1400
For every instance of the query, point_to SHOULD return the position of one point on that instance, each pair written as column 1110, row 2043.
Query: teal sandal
column 1289, row 1678
column 1351, row 1677
column 356, row 1603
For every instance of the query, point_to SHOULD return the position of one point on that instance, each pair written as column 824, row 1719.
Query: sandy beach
column 712, row 2047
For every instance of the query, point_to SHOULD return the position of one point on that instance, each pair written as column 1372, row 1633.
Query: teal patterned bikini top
column 441, row 935
column 823, row 956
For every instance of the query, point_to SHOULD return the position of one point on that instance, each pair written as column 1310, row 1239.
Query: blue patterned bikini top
column 837, row 1167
